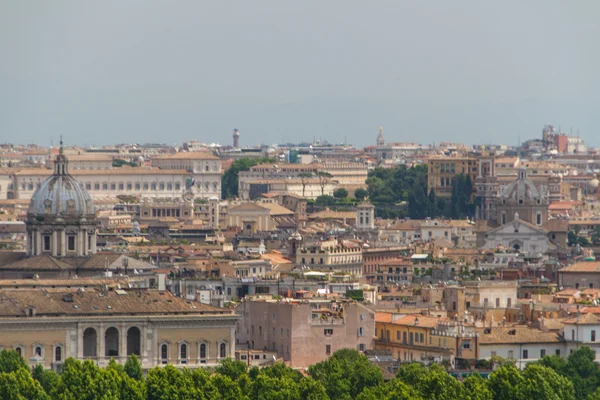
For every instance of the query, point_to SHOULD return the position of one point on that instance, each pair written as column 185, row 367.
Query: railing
column 327, row 321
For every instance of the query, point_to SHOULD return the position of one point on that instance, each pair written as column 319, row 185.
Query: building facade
column 305, row 332
column 48, row 327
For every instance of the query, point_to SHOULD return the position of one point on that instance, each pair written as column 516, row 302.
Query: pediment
column 518, row 226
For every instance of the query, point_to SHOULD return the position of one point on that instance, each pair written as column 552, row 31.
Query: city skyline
column 147, row 71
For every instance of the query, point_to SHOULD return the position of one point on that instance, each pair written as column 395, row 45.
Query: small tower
column 365, row 216
column 236, row 139
column 380, row 138
column 214, row 212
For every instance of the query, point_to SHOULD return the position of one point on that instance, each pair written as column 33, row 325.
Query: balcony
column 327, row 321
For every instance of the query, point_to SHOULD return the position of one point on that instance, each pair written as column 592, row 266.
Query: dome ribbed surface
column 61, row 194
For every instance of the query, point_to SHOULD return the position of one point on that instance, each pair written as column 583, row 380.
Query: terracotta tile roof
column 329, row 214
column 276, row 209
column 383, row 317
column 584, row 319
column 409, row 320
column 125, row 170
column 522, row 334
column 584, row 266
column 94, row 262
column 276, row 258
column 405, row 226
column 15, row 303
column 557, row 225
column 592, row 310
column 397, row 261
column 187, row 155
column 553, row 324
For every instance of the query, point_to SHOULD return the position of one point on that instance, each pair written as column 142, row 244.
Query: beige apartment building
column 305, row 332
column 332, row 257
column 109, row 183
column 89, row 161
column 47, row 327
column 301, row 179
column 442, row 169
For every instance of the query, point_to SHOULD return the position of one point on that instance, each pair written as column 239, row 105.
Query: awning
column 314, row 273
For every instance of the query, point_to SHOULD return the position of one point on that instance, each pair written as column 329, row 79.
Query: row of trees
column 229, row 180
column 346, row 375
column 388, row 188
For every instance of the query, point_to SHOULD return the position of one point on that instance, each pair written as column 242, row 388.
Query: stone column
column 54, row 244
column 86, row 243
column 123, row 343
column 63, row 243
column 100, row 345
column 79, row 354
column 38, row 242
column 94, row 243
column 79, row 243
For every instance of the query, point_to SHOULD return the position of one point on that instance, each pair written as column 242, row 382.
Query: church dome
column 61, row 194
column 522, row 189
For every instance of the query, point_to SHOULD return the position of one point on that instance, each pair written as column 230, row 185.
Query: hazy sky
column 157, row 70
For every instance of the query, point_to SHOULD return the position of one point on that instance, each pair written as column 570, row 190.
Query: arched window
column 223, row 350
column 203, row 352
column 37, row 351
column 111, row 342
column 89, row 342
column 164, row 353
column 133, row 341
column 58, row 354
column 183, row 352
column 19, row 350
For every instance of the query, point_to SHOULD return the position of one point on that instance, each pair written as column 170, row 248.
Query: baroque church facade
column 520, row 220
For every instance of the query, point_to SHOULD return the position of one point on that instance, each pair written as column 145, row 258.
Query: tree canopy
column 229, row 181
column 346, row 375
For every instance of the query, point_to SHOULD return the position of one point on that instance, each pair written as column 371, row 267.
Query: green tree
column 476, row 388
column 582, row 370
column 346, row 374
column 48, row 379
column 11, row 361
column 504, row 382
column 280, row 370
column 230, row 181
column 437, row 384
column 311, row 389
column 541, row 382
column 133, row 368
column 340, row 193
column 395, row 389
column 304, row 179
column 324, row 179
column 361, row 194
column 232, row 368
column 226, row 388
column 20, row 385
column 265, row 387
column 325, row 200
column 170, row 383
column 76, row 379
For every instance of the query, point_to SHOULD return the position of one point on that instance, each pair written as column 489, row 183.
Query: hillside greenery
column 401, row 192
